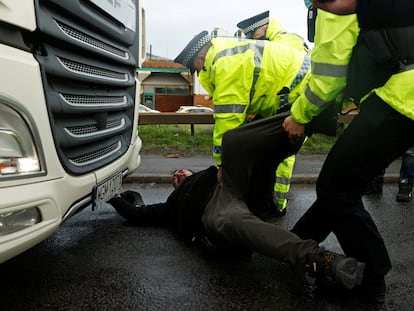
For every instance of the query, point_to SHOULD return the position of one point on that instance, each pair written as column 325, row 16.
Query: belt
column 284, row 96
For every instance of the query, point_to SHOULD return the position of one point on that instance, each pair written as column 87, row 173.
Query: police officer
column 380, row 76
column 245, row 77
column 335, row 37
column 262, row 27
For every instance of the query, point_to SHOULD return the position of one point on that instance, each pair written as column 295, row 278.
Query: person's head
column 179, row 175
column 193, row 55
column 255, row 27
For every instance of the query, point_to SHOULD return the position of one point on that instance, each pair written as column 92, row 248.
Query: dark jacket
column 191, row 198
column 182, row 210
column 385, row 44
column 374, row 14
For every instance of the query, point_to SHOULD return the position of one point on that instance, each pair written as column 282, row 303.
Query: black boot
column 404, row 191
column 338, row 269
column 371, row 290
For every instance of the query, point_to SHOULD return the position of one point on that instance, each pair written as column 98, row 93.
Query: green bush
column 170, row 139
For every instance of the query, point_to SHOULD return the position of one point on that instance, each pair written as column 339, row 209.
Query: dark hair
column 187, row 169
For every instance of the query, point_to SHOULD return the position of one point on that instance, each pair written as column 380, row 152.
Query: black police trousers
column 374, row 139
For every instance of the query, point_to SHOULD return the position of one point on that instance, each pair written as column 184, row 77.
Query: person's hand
column 293, row 128
column 340, row 7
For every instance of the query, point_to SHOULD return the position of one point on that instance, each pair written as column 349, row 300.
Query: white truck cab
column 68, row 110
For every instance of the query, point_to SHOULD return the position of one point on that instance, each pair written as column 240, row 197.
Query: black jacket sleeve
column 182, row 210
column 375, row 14
column 158, row 214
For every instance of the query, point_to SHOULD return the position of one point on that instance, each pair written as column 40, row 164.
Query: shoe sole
column 348, row 272
column 378, row 299
column 403, row 199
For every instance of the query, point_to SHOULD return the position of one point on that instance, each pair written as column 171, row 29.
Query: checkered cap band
column 252, row 28
column 302, row 72
column 251, row 24
column 187, row 55
column 193, row 50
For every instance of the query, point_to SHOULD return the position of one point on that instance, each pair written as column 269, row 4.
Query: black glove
column 133, row 197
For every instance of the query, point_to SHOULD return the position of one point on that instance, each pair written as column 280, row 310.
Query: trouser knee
column 215, row 220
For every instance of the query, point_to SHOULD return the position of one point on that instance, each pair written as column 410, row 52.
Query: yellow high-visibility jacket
column 244, row 78
column 276, row 33
column 398, row 92
column 281, row 187
column 335, row 37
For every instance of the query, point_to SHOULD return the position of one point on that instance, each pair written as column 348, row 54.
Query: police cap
column 189, row 53
column 250, row 25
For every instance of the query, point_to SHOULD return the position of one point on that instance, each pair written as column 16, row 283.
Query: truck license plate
column 106, row 190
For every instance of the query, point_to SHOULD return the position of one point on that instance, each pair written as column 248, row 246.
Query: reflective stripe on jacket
column 284, row 174
column 244, row 78
column 335, row 37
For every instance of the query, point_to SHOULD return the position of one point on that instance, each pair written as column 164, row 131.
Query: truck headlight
column 18, row 220
column 17, row 149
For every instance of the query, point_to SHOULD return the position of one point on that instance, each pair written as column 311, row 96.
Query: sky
column 171, row 24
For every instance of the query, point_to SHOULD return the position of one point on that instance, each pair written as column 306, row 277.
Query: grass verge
column 172, row 139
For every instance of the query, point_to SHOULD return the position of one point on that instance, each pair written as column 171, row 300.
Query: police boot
column 335, row 268
column 404, row 191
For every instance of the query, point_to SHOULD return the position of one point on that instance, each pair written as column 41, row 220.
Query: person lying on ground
column 183, row 211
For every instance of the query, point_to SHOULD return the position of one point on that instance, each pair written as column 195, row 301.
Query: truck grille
column 84, row 38
column 82, row 100
column 92, row 71
column 92, row 157
column 88, row 64
column 90, row 129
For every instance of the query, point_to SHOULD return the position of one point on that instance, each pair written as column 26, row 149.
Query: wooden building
column 165, row 86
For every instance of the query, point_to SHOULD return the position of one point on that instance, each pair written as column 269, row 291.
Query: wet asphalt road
column 95, row 261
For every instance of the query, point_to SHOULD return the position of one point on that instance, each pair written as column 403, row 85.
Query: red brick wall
column 171, row 103
column 203, row 100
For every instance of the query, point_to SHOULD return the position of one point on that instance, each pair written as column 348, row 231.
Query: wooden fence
column 201, row 118
column 176, row 118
